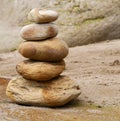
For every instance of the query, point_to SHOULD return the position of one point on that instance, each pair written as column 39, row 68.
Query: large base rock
column 57, row 92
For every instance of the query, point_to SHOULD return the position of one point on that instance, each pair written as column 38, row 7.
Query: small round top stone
column 42, row 15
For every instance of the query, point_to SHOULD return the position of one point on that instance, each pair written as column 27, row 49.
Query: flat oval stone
column 50, row 50
column 42, row 16
column 40, row 71
column 56, row 92
column 39, row 31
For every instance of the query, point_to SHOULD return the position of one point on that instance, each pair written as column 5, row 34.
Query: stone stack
column 40, row 82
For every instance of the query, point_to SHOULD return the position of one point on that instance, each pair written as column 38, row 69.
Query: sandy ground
column 96, row 67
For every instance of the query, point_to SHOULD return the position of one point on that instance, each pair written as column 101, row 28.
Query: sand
column 96, row 67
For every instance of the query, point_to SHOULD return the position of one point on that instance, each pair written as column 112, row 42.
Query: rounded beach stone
column 42, row 16
column 56, row 92
column 38, row 31
column 50, row 50
column 40, row 71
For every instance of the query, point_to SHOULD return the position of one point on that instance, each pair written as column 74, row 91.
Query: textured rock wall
column 80, row 22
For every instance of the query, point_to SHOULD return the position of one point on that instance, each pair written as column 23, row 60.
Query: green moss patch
column 92, row 20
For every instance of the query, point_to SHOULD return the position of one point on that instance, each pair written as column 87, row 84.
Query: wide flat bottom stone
column 56, row 92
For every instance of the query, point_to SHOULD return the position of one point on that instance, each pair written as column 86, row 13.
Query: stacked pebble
column 41, row 83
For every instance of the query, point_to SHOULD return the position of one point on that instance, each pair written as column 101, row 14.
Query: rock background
column 80, row 22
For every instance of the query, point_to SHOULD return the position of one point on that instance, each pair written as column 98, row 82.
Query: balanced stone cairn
column 40, row 82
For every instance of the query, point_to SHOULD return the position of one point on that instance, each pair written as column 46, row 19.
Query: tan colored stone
column 42, row 16
column 40, row 71
column 50, row 50
column 39, row 31
column 57, row 92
